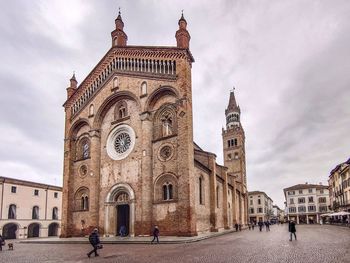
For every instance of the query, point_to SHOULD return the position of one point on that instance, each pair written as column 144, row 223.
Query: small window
column 13, row 189
column 300, row 191
column 236, row 155
column 217, row 196
column 311, row 199
column 12, row 212
column 167, row 191
column 310, row 190
column 144, row 88
column 91, row 110
column 55, row 195
column 115, row 83
column 36, row 192
column 35, row 212
column 55, row 213
column 321, row 191
column 229, row 156
column 201, row 201
column 259, row 202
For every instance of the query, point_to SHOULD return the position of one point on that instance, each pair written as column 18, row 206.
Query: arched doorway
column 53, row 230
column 123, row 214
column 119, row 210
column 33, row 230
column 9, row 231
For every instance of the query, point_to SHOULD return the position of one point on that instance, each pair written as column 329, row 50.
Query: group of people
column 95, row 242
column 94, row 238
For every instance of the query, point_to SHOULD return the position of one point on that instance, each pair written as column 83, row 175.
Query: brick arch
column 157, row 94
column 109, row 102
column 77, row 126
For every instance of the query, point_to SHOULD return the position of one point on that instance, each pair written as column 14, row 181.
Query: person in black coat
column 260, row 224
column 2, row 242
column 94, row 240
column 236, row 226
column 155, row 234
column 292, row 230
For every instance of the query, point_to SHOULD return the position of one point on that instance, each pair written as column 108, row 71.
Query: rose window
column 122, row 142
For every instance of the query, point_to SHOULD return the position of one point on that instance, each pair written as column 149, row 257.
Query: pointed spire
column 119, row 38
column 232, row 104
column 232, row 111
column 182, row 36
column 73, row 81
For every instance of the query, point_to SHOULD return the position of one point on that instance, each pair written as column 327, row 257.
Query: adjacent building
column 339, row 187
column 129, row 155
column 278, row 214
column 306, row 202
column 260, row 207
column 29, row 209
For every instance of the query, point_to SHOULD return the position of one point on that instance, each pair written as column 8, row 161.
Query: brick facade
column 143, row 97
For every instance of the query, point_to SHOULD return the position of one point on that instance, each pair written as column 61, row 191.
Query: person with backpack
column 94, row 240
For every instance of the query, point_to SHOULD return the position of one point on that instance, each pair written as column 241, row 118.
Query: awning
column 324, row 215
column 342, row 213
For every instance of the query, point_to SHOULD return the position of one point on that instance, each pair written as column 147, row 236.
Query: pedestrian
column 249, row 226
column 236, row 226
column 260, row 224
column 94, row 240
column 122, row 231
column 2, row 242
column 253, row 225
column 292, row 230
column 267, row 224
column 155, row 234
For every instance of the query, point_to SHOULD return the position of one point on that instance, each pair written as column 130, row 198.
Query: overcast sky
column 289, row 61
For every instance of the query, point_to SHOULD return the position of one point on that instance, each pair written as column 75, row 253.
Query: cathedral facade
column 129, row 157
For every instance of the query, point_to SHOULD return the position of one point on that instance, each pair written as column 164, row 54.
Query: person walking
column 249, row 226
column 2, row 242
column 267, row 224
column 155, row 234
column 260, row 224
column 236, row 227
column 292, row 230
column 94, row 240
column 253, row 225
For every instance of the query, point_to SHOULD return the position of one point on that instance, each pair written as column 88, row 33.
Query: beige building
column 29, row 209
column 260, row 207
column 129, row 155
column 339, row 187
column 306, row 202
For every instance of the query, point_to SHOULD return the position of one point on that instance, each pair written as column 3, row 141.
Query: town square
column 175, row 131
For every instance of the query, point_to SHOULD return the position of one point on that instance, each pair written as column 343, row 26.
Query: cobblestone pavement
column 315, row 243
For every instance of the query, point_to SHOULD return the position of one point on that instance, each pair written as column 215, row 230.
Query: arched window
column 167, row 124
column 91, row 110
column 83, row 149
column 121, row 110
column 201, row 186
column 166, row 188
column 144, row 88
column 115, row 81
column 55, row 213
column 35, row 212
column 12, row 212
column 81, row 199
column 217, row 196
column 167, row 191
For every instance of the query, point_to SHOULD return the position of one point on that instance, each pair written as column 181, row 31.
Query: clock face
column 120, row 142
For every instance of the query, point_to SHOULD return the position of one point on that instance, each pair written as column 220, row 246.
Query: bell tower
column 119, row 38
column 234, row 155
column 182, row 36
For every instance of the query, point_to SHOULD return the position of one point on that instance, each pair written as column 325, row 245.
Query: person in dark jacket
column 267, row 225
column 155, row 234
column 236, row 226
column 260, row 224
column 94, row 240
column 2, row 242
column 292, row 230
